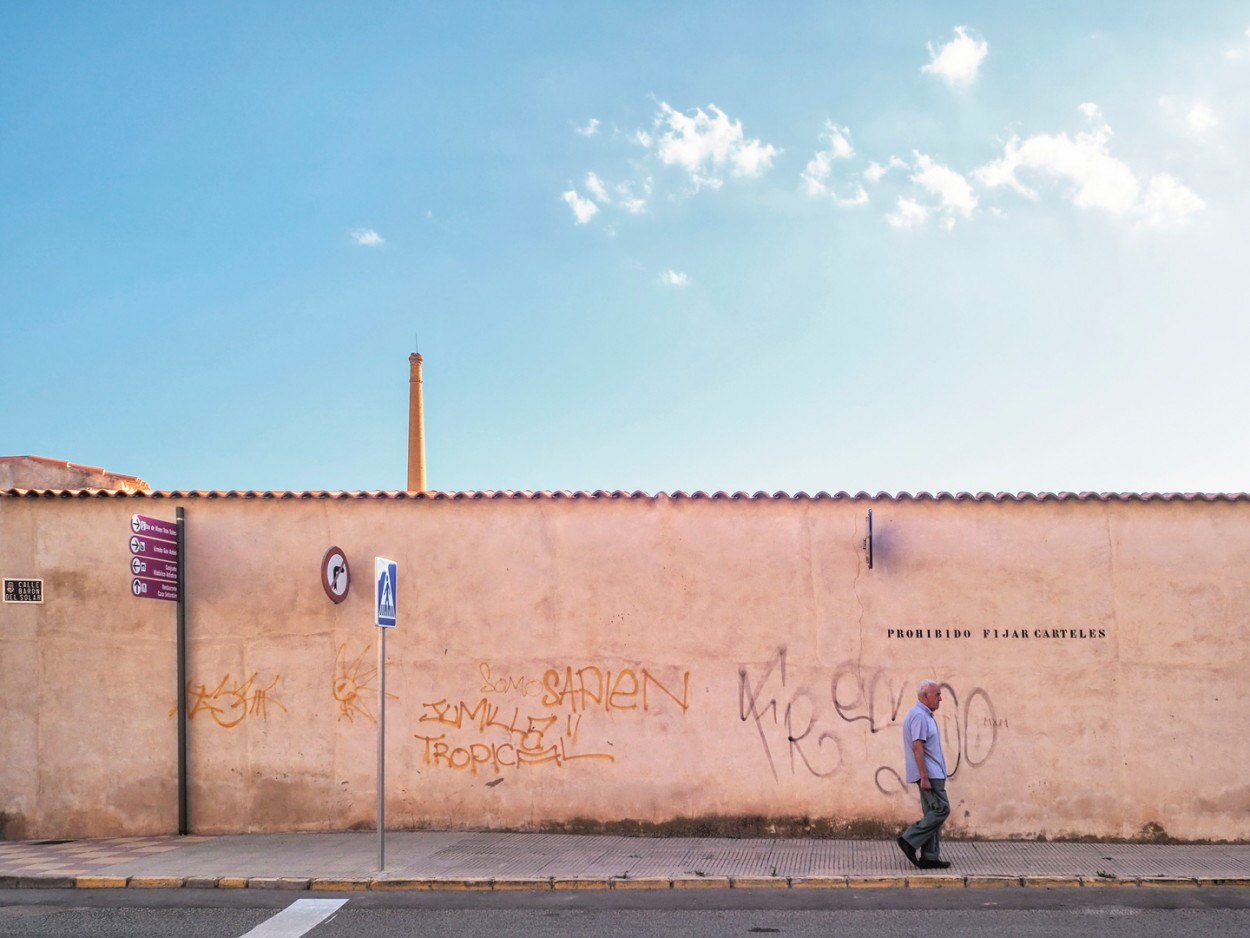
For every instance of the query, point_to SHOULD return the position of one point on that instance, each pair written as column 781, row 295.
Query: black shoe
column 908, row 851
column 933, row 864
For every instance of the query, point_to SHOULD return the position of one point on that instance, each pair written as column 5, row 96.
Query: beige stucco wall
column 632, row 658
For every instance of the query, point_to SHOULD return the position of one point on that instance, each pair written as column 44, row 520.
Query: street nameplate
column 23, row 591
column 149, row 567
column 145, row 588
column 154, row 528
column 147, row 547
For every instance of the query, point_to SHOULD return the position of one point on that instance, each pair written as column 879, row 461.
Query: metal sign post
column 385, row 609
column 157, row 570
column 381, row 811
column 184, row 825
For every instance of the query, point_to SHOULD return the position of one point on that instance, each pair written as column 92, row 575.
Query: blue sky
column 741, row 246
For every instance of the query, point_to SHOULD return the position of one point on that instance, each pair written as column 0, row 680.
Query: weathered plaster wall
column 632, row 658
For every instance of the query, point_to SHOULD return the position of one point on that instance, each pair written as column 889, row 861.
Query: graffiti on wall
column 231, row 701
column 495, row 734
column 593, row 688
column 806, row 724
column 353, row 685
column 522, row 685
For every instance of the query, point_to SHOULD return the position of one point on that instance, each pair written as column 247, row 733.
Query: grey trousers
column 924, row 834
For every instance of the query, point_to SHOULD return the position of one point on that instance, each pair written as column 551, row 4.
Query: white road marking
column 298, row 918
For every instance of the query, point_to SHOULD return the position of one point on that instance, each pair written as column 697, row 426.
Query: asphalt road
column 709, row 913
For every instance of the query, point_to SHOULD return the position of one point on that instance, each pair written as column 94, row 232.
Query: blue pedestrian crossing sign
column 385, row 604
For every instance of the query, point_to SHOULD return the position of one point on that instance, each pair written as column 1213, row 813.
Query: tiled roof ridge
column 603, row 495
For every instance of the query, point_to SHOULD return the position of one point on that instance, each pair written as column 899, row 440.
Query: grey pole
column 382, row 750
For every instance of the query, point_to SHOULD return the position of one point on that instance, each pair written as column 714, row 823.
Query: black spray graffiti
column 811, row 719
column 801, row 746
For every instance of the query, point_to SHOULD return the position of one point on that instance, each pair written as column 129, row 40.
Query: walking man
column 922, row 753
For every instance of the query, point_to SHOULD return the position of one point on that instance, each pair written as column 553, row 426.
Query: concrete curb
column 156, row 882
column 996, row 881
column 549, row 884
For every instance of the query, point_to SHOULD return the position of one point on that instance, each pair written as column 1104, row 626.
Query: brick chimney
column 416, row 427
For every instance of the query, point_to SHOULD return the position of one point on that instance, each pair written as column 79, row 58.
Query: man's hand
column 917, row 748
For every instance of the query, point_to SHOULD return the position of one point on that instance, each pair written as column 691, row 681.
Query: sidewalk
column 457, row 860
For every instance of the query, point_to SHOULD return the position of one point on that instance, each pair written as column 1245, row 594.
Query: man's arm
column 917, row 747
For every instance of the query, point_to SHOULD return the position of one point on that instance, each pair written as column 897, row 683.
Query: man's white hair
column 924, row 686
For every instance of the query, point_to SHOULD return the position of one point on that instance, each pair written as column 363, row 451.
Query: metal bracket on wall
column 868, row 541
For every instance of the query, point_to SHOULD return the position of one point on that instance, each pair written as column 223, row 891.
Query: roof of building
column 601, row 495
column 63, row 464
column 42, row 471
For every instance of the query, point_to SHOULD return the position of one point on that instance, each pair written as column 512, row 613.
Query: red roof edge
column 619, row 495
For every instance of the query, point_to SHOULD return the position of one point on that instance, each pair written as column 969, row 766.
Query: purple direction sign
column 154, row 528
column 158, row 569
column 146, row 547
column 153, row 589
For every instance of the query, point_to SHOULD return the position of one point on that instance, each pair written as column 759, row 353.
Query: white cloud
column 1167, row 203
column 1195, row 119
column 876, row 172
column 752, row 158
column 839, row 140
column 908, row 214
column 674, row 278
column 819, row 171
column 703, row 143
column 628, row 198
column 953, row 192
column 1094, row 177
column 1239, row 51
column 943, row 192
column 818, row 177
column 1200, row 119
column 1097, row 179
column 707, row 145
column 367, row 237
column 583, row 209
column 597, row 189
column 590, row 128
column 858, row 197
column 957, row 62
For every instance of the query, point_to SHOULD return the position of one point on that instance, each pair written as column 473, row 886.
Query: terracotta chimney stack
column 416, row 427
